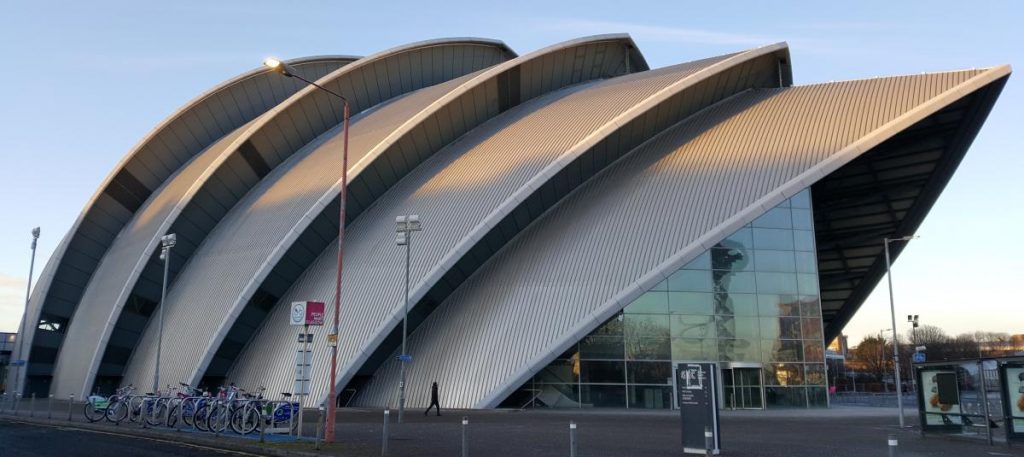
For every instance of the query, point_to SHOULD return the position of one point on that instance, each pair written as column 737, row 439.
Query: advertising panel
column 941, row 397
column 1014, row 394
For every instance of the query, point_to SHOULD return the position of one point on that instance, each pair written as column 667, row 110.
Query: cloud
column 660, row 33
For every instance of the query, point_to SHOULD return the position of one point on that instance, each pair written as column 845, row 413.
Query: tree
column 873, row 354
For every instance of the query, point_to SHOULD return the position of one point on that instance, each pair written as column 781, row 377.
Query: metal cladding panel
column 295, row 122
column 473, row 102
column 159, row 154
column 116, row 274
column 646, row 215
column 237, row 255
column 458, row 187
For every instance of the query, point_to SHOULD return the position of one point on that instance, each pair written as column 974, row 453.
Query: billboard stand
column 697, row 391
column 304, row 313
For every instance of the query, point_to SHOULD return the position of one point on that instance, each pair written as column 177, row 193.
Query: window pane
column 735, row 282
column 815, row 374
column 648, row 348
column 802, row 219
column 690, row 302
column 780, row 327
column 811, row 329
column 602, row 371
column 690, row 280
column 611, row 327
column 774, row 261
column 806, row 262
column 774, row 218
column 741, row 238
column 776, row 283
column 816, row 397
column 558, row 395
column 731, row 259
column 738, row 304
column 559, row 371
column 809, row 306
column 663, row 285
column 701, row 262
column 649, row 302
column 782, row 350
column 784, row 374
column 807, row 284
column 739, row 350
column 646, row 325
column 801, row 200
column 684, row 326
column 737, row 327
column 778, row 305
column 814, row 351
column 602, row 347
column 650, row 372
column 785, row 397
column 777, row 239
column 603, row 396
column 803, row 240
column 650, row 397
column 693, row 349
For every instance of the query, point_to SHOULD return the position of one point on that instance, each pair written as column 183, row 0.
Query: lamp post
column 166, row 243
column 912, row 319
column 895, row 338
column 24, row 319
column 281, row 68
column 406, row 225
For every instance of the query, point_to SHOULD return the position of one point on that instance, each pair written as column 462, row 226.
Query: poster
column 1015, row 387
column 941, row 403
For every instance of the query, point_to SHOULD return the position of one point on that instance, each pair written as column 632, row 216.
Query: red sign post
column 314, row 313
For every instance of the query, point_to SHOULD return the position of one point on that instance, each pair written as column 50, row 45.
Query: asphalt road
column 30, row 440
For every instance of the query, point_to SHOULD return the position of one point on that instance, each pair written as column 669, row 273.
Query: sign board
column 305, row 337
column 18, row 363
column 919, row 357
column 1012, row 374
column 306, row 313
column 332, row 339
column 302, row 371
column 405, row 358
column 697, row 392
column 939, row 398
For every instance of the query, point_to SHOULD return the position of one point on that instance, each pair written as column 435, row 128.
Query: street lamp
column 912, row 319
column 282, row 68
column 23, row 360
column 405, row 226
column 895, row 337
column 166, row 243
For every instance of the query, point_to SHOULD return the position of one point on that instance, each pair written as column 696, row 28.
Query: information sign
column 1013, row 385
column 919, row 357
column 697, row 392
column 306, row 313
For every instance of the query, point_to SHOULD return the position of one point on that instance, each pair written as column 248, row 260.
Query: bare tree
column 873, row 354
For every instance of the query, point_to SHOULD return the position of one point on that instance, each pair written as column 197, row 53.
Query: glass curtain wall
column 752, row 298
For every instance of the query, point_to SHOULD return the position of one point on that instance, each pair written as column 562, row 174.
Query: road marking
column 159, row 440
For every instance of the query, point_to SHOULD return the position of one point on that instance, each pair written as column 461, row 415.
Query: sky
column 85, row 81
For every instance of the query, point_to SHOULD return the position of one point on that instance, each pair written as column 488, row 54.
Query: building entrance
column 742, row 387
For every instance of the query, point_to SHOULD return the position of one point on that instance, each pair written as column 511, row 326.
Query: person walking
column 433, row 400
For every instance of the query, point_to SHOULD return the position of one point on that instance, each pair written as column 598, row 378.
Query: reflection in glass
column 807, row 283
column 803, row 240
column 684, row 326
column 602, row 347
column 650, row 397
column 814, row 351
column 806, row 262
column 738, row 304
column 776, row 283
column 811, row 329
column 690, row 280
column 646, row 325
column 774, row 218
column 694, row 349
column 725, row 257
column 815, row 374
column 701, row 262
column 731, row 350
column 598, row 396
column 782, row 261
column 649, row 302
column 775, row 239
column 647, row 348
column 650, row 372
column 784, row 374
column 735, row 282
column 782, row 350
column 690, row 302
column 785, row 397
column 560, row 371
column 742, row 238
column 738, row 327
column 602, row 371
column 778, row 305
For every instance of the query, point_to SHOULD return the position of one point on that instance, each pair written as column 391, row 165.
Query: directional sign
column 18, row 363
column 405, row 358
column 919, row 357
column 696, row 390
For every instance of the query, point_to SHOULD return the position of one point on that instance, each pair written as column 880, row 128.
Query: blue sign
column 918, row 357
column 405, row 358
column 18, row 363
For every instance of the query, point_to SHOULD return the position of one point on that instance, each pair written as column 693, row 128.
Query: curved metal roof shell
column 161, row 153
column 572, row 270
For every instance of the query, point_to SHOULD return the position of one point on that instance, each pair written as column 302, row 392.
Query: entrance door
column 742, row 388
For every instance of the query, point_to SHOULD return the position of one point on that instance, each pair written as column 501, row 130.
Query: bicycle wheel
column 188, row 411
column 219, row 417
column 94, row 411
column 117, row 411
column 201, row 418
column 244, row 420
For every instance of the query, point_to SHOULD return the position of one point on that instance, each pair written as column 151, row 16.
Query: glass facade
column 751, row 301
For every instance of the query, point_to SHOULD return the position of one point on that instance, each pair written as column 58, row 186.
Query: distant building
column 587, row 223
column 7, row 342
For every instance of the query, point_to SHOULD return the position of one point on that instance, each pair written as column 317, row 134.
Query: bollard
column 49, row 408
column 71, row 402
column 384, row 435
column 319, row 426
column 17, row 400
column 465, row 443
column 32, row 405
column 893, row 443
column 709, row 441
column 572, row 439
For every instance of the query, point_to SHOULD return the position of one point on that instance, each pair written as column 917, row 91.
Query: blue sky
column 84, row 81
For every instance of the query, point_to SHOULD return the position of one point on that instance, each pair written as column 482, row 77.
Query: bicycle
column 118, row 404
column 272, row 414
